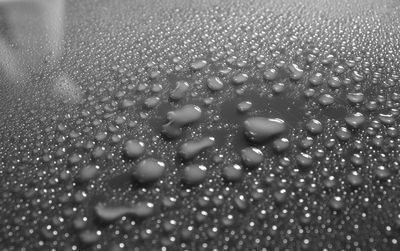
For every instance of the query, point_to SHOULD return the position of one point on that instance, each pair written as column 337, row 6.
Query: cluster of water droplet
column 242, row 125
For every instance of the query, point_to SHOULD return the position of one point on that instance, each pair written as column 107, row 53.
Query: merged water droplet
column 185, row 115
column 113, row 213
column 192, row 148
column 295, row 72
column 260, row 129
column 180, row 90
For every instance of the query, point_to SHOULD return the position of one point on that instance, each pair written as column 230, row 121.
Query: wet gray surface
column 199, row 125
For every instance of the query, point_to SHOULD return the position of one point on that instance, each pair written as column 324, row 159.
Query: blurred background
column 31, row 34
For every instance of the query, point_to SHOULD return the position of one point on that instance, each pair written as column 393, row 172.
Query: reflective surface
column 199, row 125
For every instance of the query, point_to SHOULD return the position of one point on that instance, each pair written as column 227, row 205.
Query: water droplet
column 87, row 173
column 314, row 126
column 326, row 99
column 198, row 64
column 215, row 84
column 281, row 144
column 336, row 203
column 382, row 172
column 295, row 72
column 186, row 115
column 354, row 179
column 192, row 148
column 304, row 160
column 148, row 170
column 133, row 148
column 252, row 156
column 387, row 119
column 113, row 213
column 260, row 129
column 355, row 120
column 355, row 97
column 270, row 74
column 240, row 78
column 232, row 172
column 316, row 79
column 244, row 106
column 194, row 174
column 180, row 90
